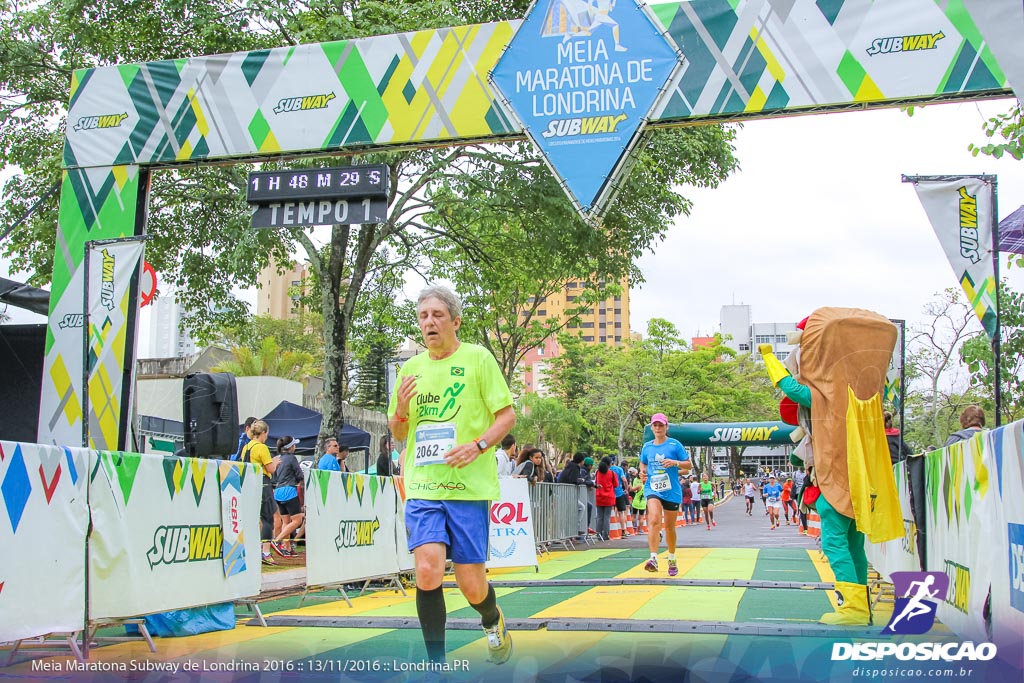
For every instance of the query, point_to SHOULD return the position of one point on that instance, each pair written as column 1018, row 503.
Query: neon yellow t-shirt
column 455, row 403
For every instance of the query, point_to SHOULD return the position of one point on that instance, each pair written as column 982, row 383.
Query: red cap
column 803, row 323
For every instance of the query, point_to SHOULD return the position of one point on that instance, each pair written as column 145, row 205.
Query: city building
column 744, row 336
column 166, row 339
column 606, row 322
column 278, row 293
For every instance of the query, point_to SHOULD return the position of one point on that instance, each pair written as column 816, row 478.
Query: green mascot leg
column 843, row 545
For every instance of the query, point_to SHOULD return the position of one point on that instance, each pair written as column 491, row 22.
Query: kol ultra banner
column 512, row 541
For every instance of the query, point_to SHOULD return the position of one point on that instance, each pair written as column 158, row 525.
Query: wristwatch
column 482, row 445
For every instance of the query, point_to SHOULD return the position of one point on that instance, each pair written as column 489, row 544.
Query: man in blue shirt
column 661, row 460
column 333, row 457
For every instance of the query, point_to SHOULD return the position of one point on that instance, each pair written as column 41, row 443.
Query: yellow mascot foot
column 853, row 609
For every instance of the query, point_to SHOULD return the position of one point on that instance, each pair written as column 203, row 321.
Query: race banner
column 899, row 555
column 111, row 311
column 157, row 541
column 95, row 204
column 893, row 389
column 962, row 511
column 43, row 520
column 232, row 522
column 961, row 213
column 350, row 527
column 406, row 561
column 512, row 541
column 1005, row 548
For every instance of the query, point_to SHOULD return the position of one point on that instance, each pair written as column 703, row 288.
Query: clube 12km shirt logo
column 918, row 595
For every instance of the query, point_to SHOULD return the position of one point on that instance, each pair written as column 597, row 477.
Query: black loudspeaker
column 210, row 407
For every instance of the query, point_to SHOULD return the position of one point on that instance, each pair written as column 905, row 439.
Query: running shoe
column 713, row 523
column 279, row 549
column 652, row 565
column 268, row 559
column 673, row 569
column 499, row 642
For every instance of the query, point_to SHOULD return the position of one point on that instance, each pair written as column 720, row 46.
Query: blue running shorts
column 462, row 525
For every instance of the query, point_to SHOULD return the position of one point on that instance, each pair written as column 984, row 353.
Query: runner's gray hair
column 443, row 294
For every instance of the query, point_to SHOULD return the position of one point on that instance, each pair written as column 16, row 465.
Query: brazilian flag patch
column 458, row 372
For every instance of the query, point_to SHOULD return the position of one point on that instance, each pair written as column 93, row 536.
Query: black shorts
column 704, row 502
column 621, row 503
column 290, row 507
column 665, row 505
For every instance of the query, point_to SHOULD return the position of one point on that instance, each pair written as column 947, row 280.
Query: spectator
column 621, row 497
column 972, row 420
column 607, row 481
column 898, row 449
column 387, row 459
column 530, row 465
column 636, row 488
column 572, row 472
column 287, row 478
column 506, row 456
column 256, row 451
column 689, row 516
column 243, row 438
column 334, row 457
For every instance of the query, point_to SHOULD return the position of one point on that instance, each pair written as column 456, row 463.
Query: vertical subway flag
column 960, row 210
column 111, row 267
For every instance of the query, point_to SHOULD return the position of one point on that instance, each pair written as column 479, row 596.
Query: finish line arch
column 431, row 87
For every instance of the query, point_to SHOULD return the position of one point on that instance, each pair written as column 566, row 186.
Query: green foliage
column 977, row 354
column 1007, row 130
column 300, row 335
column 546, row 420
column 267, row 360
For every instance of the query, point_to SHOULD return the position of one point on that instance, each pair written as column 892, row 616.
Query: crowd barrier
column 972, row 509
column 167, row 533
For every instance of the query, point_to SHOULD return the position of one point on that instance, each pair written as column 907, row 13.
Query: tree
column 512, row 240
column 268, row 361
column 977, row 354
column 932, row 354
column 543, row 420
column 294, row 334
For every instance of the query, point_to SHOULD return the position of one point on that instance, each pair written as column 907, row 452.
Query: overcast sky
column 817, row 216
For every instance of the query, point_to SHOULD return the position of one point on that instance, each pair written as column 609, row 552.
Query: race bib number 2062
column 433, row 442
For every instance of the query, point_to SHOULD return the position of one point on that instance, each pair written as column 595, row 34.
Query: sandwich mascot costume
column 840, row 366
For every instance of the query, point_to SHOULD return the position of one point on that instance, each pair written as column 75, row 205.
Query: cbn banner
column 962, row 507
column 512, row 542
column 350, row 527
column 899, row 555
column 43, row 520
column 961, row 213
column 111, row 311
column 158, row 541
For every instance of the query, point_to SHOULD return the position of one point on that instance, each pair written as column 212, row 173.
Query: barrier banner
column 1006, row 552
column 157, row 540
column 512, row 542
column 898, row 555
column 406, row 561
column 350, row 527
column 962, row 507
column 232, row 523
column 43, row 521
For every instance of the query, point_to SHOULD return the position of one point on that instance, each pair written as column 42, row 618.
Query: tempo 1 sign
column 319, row 196
column 322, row 212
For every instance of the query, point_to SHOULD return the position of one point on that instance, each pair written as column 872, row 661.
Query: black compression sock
column 431, row 611
column 488, row 609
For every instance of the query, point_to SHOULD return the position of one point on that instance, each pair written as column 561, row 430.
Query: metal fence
column 559, row 512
